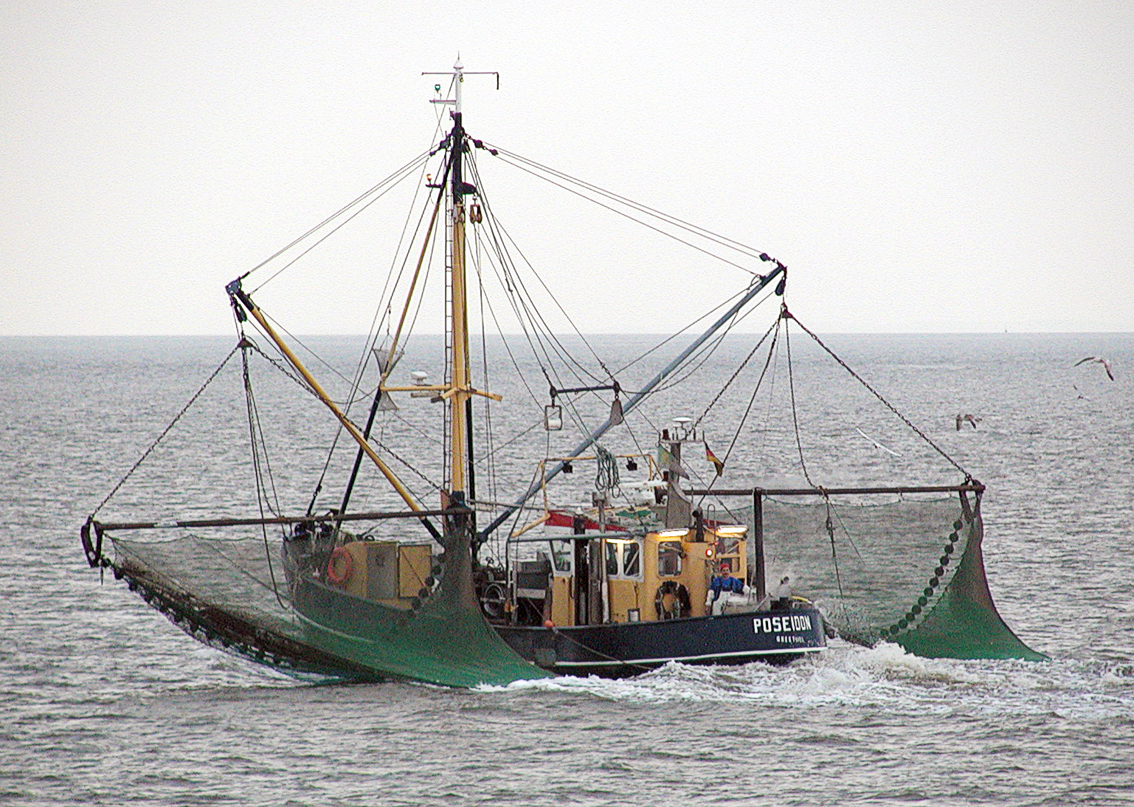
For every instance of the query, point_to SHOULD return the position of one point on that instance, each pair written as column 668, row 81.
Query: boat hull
column 629, row 648
column 612, row 650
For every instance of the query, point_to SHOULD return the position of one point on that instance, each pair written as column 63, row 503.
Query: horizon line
column 560, row 335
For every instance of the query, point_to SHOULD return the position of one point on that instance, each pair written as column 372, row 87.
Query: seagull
column 971, row 419
column 1102, row 361
column 876, row 443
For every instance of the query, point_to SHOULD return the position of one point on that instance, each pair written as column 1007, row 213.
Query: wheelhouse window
column 612, row 548
column 669, row 558
column 561, row 556
column 623, row 558
column 631, row 559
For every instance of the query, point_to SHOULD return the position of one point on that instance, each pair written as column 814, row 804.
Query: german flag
column 711, row 457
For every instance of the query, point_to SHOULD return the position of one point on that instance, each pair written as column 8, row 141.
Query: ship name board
column 782, row 624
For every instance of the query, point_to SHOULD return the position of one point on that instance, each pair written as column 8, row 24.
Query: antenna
column 458, row 73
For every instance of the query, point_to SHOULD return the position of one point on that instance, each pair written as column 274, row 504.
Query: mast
column 458, row 403
column 462, row 482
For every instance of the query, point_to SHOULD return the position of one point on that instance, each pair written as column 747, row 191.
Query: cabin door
column 588, row 582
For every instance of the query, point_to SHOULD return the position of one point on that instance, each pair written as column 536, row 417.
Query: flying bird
column 970, row 419
column 1102, row 361
column 877, row 445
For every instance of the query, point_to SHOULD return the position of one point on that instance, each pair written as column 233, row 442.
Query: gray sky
column 918, row 166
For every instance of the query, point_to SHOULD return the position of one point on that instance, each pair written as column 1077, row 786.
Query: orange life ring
column 333, row 574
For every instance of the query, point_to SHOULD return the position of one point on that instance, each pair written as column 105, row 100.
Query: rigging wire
column 393, row 280
column 376, row 442
column 528, row 324
column 523, row 304
column 774, row 331
column 878, row 395
column 735, row 373
column 540, row 344
column 506, row 158
column 693, row 228
column 701, row 232
column 541, row 338
column 706, row 351
column 545, row 346
column 355, row 392
column 166, row 430
column 794, row 407
column 355, row 383
column 394, row 178
column 830, row 527
column 687, row 327
column 256, row 443
column 507, row 261
column 490, row 436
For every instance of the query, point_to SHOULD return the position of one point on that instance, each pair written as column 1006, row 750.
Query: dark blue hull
column 629, row 648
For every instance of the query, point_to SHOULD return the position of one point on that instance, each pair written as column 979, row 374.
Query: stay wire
column 372, row 338
column 395, row 178
column 515, row 285
column 256, row 438
column 878, row 395
column 166, row 430
column 527, row 322
column 507, row 159
column 775, row 332
column 736, row 373
column 702, row 232
column 794, row 408
column 706, row 351
column 670, row 219
column 690, row 325
column 490, row 436
column 303, row 386
column 830, row 526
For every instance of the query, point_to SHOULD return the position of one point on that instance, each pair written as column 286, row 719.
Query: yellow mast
column 462, row 479
column 459, row 472
column 458, row 448
column 235, row 291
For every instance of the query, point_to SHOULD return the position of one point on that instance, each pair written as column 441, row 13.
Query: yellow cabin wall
column 697, row 568
column 562, row 603
column 414, row 562
column 698, row 565
column 697, row 571
column 625, row 594
column 356, row 583
column 413, row 567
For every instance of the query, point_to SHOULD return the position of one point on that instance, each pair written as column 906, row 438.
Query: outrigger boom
column 762, row 282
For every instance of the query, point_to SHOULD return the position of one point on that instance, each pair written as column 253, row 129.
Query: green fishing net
column 233, row 593
column 900, row 568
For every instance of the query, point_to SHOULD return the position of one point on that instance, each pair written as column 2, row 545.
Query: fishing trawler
column 496, row 588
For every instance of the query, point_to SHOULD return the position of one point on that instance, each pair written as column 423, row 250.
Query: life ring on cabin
column 494, row 601
column 336, row 575
column 678, row 599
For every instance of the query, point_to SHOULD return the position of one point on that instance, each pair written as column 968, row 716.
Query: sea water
column 103, row 701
